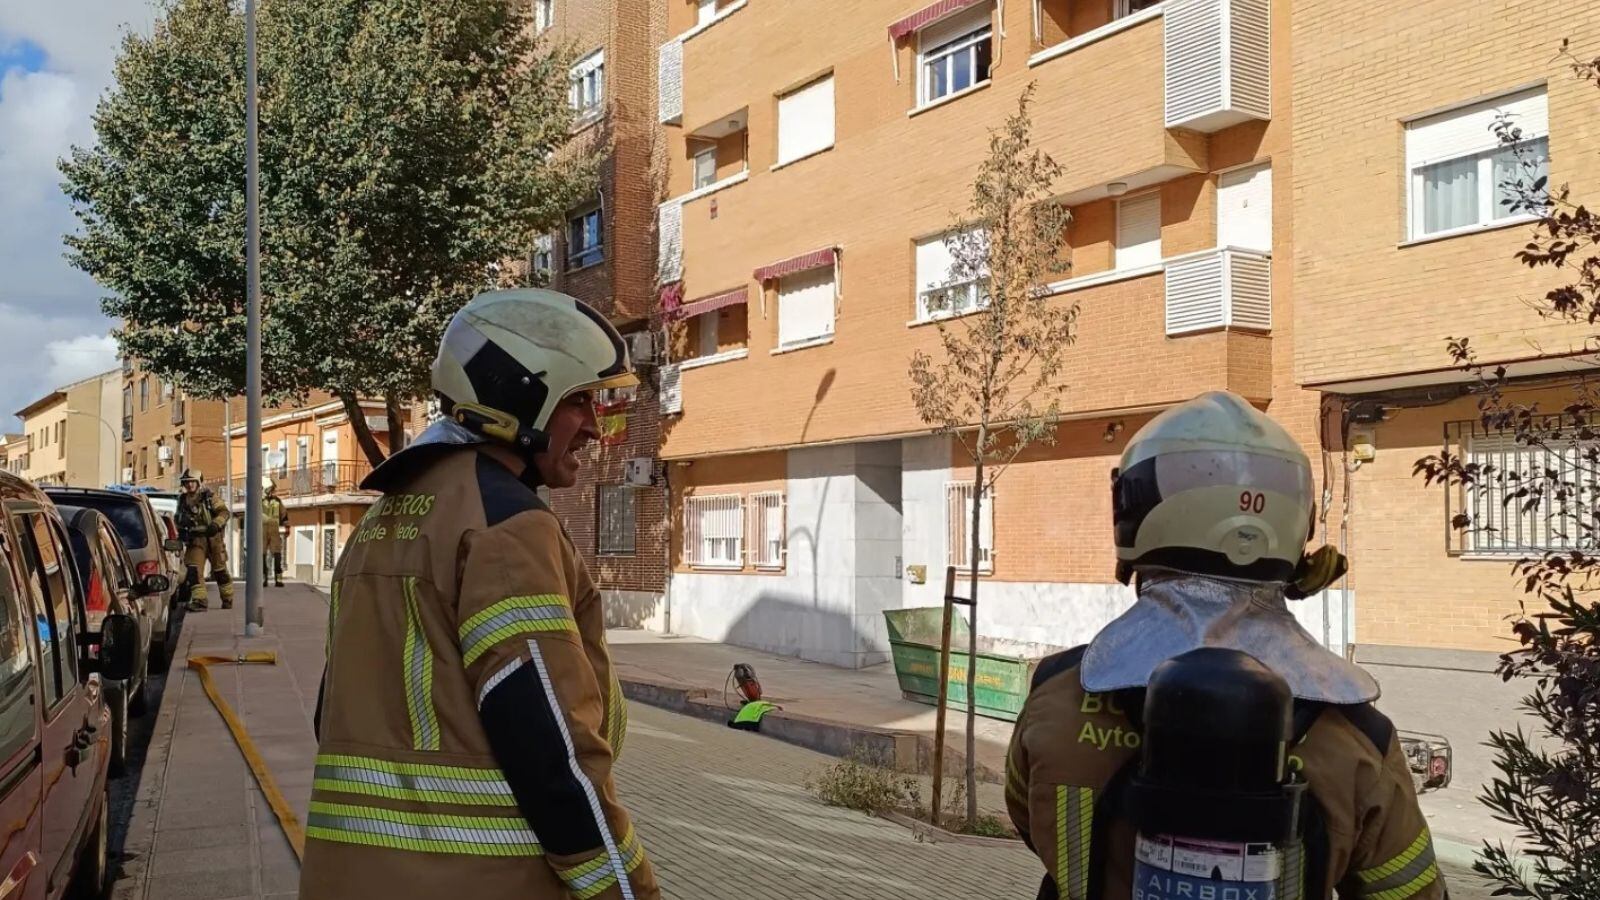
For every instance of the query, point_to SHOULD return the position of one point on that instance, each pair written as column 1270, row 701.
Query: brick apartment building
column 1266, row 199
column 165, row 431
column 605, row 256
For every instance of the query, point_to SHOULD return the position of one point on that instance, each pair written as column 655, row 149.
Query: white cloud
column 51, row 328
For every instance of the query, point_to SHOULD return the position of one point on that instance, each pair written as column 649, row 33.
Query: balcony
column 302, row 485
column 1218, row 60
column 127, row 428
column 1222, row 288
column 178, row 410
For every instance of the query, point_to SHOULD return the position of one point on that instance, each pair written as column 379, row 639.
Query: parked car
column 174, row 551
column 54, row 725
column 145, row 539
column 110, row 586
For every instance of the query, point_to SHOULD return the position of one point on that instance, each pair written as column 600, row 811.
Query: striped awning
column 816, row 259
column 928, row 15
column 735, row 297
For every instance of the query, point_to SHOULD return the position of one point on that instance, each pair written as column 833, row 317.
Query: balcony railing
column 1218, row 59
column 343, row 477
column 127, row 428
column 1223, row 288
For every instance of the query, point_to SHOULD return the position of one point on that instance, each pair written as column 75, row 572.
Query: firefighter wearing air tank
column 470, row 714
column 1212, row 508
column 201, row 520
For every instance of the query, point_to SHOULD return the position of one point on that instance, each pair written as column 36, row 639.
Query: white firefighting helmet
column 509, row 357
column 189, row 476
column 267, row 484
column 1214, row 487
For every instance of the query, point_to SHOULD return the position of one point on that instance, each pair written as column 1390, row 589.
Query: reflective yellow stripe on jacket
column 1404, row 876
column 513, row 616
column 593, row 877
column 418, row 666
column 1074, row 826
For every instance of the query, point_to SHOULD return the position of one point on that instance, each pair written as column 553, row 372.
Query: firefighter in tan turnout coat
column 470, row 716
column 1212, row 507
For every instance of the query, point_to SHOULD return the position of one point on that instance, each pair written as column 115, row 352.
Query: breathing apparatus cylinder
column 1216, row 810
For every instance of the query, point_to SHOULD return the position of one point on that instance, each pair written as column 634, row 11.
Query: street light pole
column 252, row 188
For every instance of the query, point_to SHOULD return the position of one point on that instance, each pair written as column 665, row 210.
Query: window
column 167, row 390
column 617, row 522
column 543, row 262
column 61, row 439
column 705, row 167
column 588, row 83
column 707, row 326
column 805, row 307
column 768, row 544
column 705, row 11
column 1501, row 527
column 941, row 291
column 713, row 532
column 958, row 527
column 1126, row 8
column 16, row 663
column 1459, row 168
column 144, row 393
column 805, row 120
column 544, row 14
column 955, row 55
column 585, row 240
column 127, row 401
column 1138, row 231
column 54, row 586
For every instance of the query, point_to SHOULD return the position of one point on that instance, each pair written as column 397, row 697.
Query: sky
column 55, row 63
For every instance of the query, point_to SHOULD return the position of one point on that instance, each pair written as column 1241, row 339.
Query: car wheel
column 91, row 880
column 139, row 699
column 119, row 734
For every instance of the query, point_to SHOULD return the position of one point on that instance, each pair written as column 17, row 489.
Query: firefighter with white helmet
column 274, row 524
column 470, row 714
column 202, row 517
column 1212, row 509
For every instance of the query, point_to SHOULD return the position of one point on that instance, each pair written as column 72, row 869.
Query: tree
column 1549, row 781
column 995, row 387
column 407, row 149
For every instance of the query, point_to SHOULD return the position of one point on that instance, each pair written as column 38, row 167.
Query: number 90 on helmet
column 1214, row 487
column 509, row 357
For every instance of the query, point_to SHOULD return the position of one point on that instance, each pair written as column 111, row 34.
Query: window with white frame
column 585, row 239
column 616, row 522
column 542, row 260
column 705, row 167
column 705, row 11
column 806, row 306
column 1138, row 231
column 940, row 290
column 544, row 14
column 1460, row 173
column 707, row 325
column 954, row 54
column 713, row 532
column 768, row 544
column 958, row 527
column 588, row 83
column 805, row 120
column 1502, row 523
column 1125, row 8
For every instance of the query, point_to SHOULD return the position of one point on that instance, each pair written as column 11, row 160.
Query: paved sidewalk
column 829, row 709
column 200, row 828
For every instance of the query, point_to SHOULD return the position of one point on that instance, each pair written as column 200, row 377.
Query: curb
column 923, row 831
column 911, row 753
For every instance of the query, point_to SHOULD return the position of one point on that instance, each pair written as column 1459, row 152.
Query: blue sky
column 56, row 58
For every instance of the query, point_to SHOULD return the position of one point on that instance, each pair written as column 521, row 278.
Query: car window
column 92, row 571
column 16, row 663
column 126, row 515
column 117, row 559
column 54, row 588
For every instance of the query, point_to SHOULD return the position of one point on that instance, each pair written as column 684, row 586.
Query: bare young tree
column 995, row 385
column 1549, row 781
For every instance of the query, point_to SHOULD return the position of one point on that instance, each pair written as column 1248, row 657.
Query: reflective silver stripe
column 408, row 786
column 514, row 616
column 630, row 861
column 1406, row 880
column 423, row 832
column 418, row 665
column 600, row 822
column 506, row 671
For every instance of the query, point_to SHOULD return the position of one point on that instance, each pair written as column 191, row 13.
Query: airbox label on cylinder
column 1176, row 868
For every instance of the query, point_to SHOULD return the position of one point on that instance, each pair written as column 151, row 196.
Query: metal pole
column 227, row 468
column 252, row 187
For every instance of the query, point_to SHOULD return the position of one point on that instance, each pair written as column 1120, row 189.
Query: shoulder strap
column 1373, row 724
column 1055, row 664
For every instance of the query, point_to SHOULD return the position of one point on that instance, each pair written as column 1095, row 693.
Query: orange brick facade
column 156, row 415
column 1353, row 301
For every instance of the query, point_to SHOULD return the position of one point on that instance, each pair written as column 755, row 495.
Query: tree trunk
column 358, row 424
column 973, row 562
column 397, row 422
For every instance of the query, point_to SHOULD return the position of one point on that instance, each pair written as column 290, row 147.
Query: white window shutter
column 671, row 390
column 805, row 120
column 669, row 234
column 1470, row 129
column 669, row 82
column 1139, row 231
column 805, row 306
column 986, row 532
column 1244, row 209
